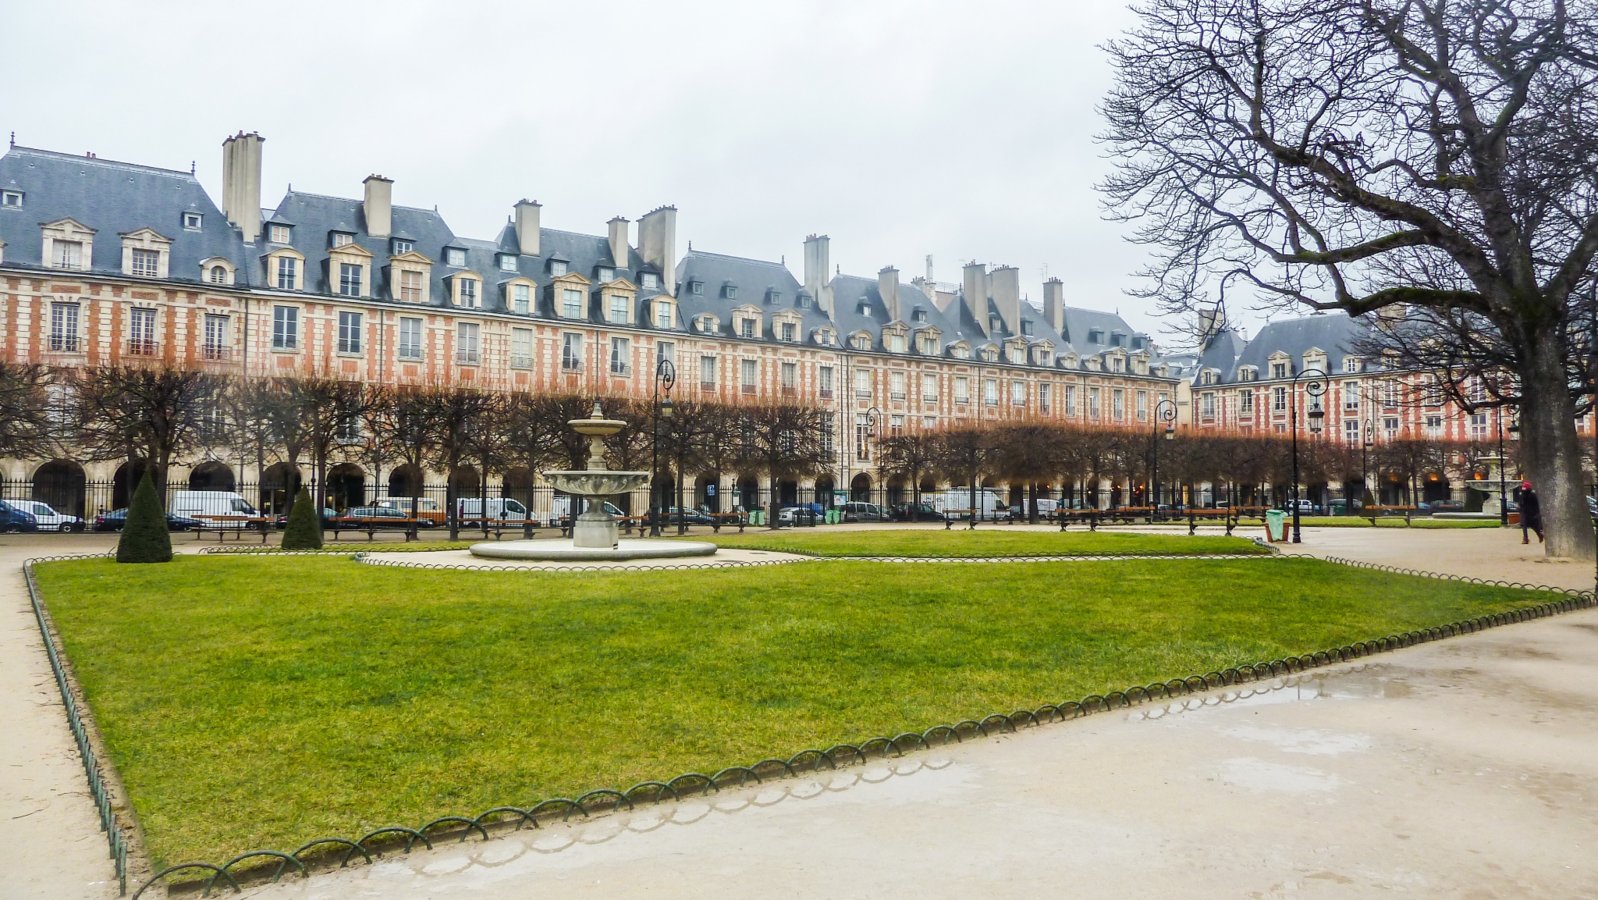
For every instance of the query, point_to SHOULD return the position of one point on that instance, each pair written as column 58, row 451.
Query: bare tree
column 1376, row 156
column 910, row 456
column 966, row 453
column 456, row 414
column 156, row 413
column 785, row 441
column 28, row 417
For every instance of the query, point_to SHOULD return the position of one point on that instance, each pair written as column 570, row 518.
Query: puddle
column 1308, row 741
column 1268, row 777
column 1358, row 683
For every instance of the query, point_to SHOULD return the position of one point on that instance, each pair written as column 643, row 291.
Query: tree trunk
column 1551, row 449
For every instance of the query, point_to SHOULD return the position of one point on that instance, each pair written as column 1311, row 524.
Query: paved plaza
column 1459, row 768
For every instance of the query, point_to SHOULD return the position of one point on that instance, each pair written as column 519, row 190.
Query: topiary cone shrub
column 144, row 535
column 304, row 529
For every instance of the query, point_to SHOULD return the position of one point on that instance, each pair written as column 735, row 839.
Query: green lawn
column 925, row 543
column 253, row 701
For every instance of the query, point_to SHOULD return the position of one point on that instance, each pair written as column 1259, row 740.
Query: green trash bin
column 833, row 517
column 1276, row 525
column 757, row 517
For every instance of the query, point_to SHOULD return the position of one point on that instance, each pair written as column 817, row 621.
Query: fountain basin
column 597, row 483
column 562, row 551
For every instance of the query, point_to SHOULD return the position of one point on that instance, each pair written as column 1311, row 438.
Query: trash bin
column 1275, row 525
column 757, row 517
column 834, row 517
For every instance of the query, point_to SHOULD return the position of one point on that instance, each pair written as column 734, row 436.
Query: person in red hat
column 1531, row 513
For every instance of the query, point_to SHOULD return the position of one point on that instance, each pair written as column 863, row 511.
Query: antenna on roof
column 13, row 138
column 783, row 258
column 191, row 167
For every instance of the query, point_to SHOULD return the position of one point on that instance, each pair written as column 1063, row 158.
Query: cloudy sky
column 902, row 129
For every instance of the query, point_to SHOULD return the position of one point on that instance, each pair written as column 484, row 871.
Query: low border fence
column 338, row 852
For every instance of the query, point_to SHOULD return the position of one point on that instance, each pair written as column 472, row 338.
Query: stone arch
column 896, row 490
column 707, row 492
column 62, row 484
column 860, row 487
column 824, row 488
column 125, row 480
column 406, row 481
column 748, row 492
column 346, row 486
column 212, row 475
column 279, row 484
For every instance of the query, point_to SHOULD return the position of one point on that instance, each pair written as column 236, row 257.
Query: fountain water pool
column 1493, row 504
column 594, row 533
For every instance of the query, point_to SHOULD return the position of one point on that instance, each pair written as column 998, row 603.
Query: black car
column 376, row 517
column 13, row 519
column 676, row 515
column 117, row 518
column 328, row 515
column 915, row 512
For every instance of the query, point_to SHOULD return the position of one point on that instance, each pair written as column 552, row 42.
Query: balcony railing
column 571, row 365
column 621, row 371
column 410, row 353
column 468, row 357
column 707, row 387
column 749, row 389
column 65, row 343
column 826, row 393
column 521, row 362
column 215, row 353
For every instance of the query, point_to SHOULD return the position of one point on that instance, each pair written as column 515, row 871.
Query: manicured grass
column 252, row 701
column 992, row 541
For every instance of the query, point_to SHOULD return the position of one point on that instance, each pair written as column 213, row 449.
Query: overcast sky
column 902, row 129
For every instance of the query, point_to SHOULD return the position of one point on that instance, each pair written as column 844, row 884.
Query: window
column 862, row 437
column 861, row 342
column 1390, row 392
column 1351, row 364
column 1351, row 396
column 1117, row 364
column 696, row 287
column 1478, row 426
column 1142, row 406
column 1390, row 425
column 1278, row 399
column 141, row 331
column 1093, row 403
column 1278, row 370
column 824, row 380
column 349, row 279
column 288, row 270
column 349, row 429
column 507, row 263
column 707, row 373
column 349, row 332
column 663, row 317
column 746, row 327
column 1207, row 404
column 521, row 348
column 571, row 303
column 896, row 386
column 278, row 234
column 191, row 221
column 896, row 342
column 962, row 389
column 748, row 369
column 990, row 392
column 606, row 274
column 218, row 275
column 1016, row 354
column 1434, row 426
column 470, row 298
column 521, row 298
column 730, row 292
column 1018, row 393
column 468, row 343
column 1043, row 396
column 64, row 326
column 410, row 338
column 68, row 255
column 790, row 376
column 11, row 199
column 895, row 426
column 1350, row 431
column 215, row 345
column 926, row 344
column 995, row 324
column 1245, row 402
column 285, row 328
column 402, row 247
column 618, row 309
column 1070, row 399
column 571, row 352
column 651, row 280
column 790, row 332
column 929, row 388
column 411, row 286
column 620, row 356
column 665, row 351
column 1118, row 404
column 557, row 267
column 340, row 239
column 862, row 384
column 454, row 256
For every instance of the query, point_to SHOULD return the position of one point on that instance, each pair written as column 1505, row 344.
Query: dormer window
column 663, row 314
column 746, row 327
column 1095, row 336
column 804, row 301
column 995, row 324
column 280, row 234
column 10, row 199
column 919, row 315
column 454, row 256
column 960, row 351
column 470, row 296
column 864, row 308
column 507, row 262
column 651, row 280
column 990, row 354
column 217, row 275
column 1026, row 328
column 618, row 314
column 1117, row 339
column 145, row 263
column 1351, row 364
column 145, row 253
column 773, row 296
column 730, row 291
column 861, row 342
column 192, row 220
column 557, row 267
column 696, row 287
column 789, row 332
column 895, row 341
column 1137, row 343
column 402, row 246
column 606, row 273
column 342, row 239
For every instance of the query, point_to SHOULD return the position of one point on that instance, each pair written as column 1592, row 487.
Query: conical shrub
column 144, row 536
column 304, row 529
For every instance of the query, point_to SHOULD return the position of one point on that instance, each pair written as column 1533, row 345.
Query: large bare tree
column 27, row 415
column 157, row 413
column 1438, row 157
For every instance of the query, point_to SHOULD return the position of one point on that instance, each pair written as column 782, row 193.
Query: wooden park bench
column 1372, row 513
column 225, row 525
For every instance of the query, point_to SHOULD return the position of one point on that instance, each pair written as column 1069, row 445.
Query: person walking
column 1531, row 513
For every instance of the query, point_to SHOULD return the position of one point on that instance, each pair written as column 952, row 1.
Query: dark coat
column 1531, row 510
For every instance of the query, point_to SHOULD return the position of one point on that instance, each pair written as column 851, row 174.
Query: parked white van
column 956, row 503
column 224, row 508
column 49, row 519
column 500, row 509
column 561, row 509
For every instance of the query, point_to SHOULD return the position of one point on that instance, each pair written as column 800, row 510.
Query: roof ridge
column 597, row 237
column 320, row 196
column 751, row 259
column 108, row 163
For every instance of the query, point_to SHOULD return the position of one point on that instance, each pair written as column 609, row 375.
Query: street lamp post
column 1164, row 411
column 665, row 377
column 1503, row 507
column 1313, row 388
column 872, row 414
column 1364, row 463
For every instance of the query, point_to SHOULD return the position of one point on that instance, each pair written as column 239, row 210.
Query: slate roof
column 113, row 198
column 1334, row 334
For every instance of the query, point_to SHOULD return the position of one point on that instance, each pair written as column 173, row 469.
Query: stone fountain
column 594, row 532
column 1494, row 502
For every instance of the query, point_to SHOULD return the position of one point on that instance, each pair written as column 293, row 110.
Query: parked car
column 13, row 519
column 426, row 507
column 915, row 512
column 117, row 518
column 857, row 511
column 48, row 518
column 675, row 515
column 328, row 515
column 1305, row 507
column 377, row 517
column 797, row 515
column 224, row 509
column 1447, row 506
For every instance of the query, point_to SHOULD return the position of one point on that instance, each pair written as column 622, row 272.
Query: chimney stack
column 817, row 265
column 1005, row 284
column 888, row 290
column 975, row 294
column 527, row 214
column 241, row 183
column 1054, row 305
column 657, row 244
column 1209, row 318
column 378, row 206
column 618, row 242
